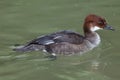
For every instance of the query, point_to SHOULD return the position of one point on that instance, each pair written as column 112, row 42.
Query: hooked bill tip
column 109, row 28
column 113, row 29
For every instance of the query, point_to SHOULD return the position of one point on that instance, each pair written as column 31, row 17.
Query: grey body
column 63, row 42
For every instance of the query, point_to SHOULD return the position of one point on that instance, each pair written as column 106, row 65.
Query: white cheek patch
column 95, row 28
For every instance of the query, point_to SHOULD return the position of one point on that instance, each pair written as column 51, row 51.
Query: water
column 23, row 20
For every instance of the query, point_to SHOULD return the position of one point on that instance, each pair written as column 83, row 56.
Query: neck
column 92, row 37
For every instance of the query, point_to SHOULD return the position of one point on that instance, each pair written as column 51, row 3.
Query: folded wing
column 58, row 37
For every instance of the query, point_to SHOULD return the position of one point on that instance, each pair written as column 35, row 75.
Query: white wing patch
column 57, row 37
column 49, row 42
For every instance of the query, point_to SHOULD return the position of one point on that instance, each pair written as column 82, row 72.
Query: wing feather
column 58, row 37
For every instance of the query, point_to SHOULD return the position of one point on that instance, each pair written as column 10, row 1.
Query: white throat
column 95, row 28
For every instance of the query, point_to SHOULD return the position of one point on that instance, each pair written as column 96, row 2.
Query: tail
column 28, row 48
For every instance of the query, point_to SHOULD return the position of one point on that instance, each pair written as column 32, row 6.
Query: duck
column 67, row 42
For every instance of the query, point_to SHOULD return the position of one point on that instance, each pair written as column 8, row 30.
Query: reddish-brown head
column 93, row 22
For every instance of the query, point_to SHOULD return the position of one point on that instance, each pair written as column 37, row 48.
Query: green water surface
column 23, row 20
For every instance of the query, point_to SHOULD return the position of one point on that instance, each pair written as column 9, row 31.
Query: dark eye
column 101, row 23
